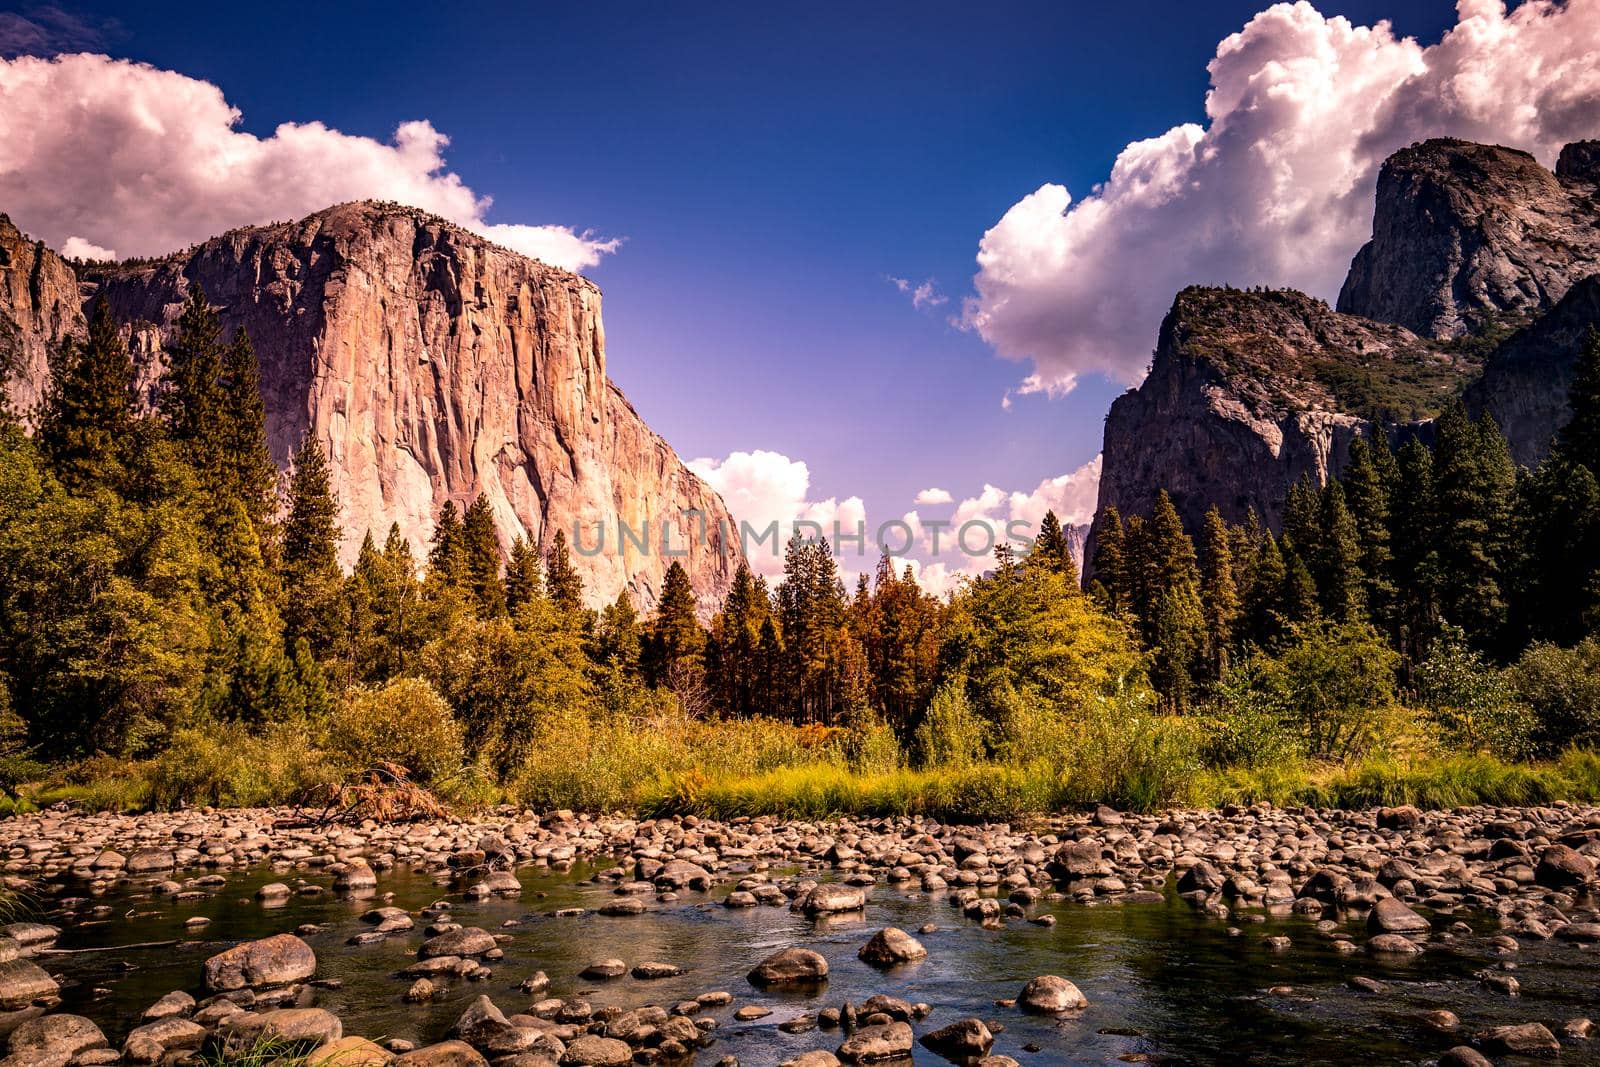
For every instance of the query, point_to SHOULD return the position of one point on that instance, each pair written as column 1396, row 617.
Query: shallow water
column 1164, row 982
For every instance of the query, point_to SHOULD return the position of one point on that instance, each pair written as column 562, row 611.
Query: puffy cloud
column 1072, row 497
column 78, row 248
column 935, row 496
column 762, row 487
column 121, row 155
column 924, row 294
column 1276, row 187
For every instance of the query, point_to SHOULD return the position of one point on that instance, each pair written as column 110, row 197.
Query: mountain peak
column 1467, row 235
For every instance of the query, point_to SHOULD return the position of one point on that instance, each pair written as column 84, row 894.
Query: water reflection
column 1165, row 983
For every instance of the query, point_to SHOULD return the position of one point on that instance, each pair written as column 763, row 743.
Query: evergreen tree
column 1474, row 480
column 87, row 413
column 248, row 474
column 193, row 400
column 618, row 640
column 1341, row 585
column 481, row 550
column 1369, row 482
column 1298, row 603
column 311, row 552
column 1110, row 564
column 1265, row 620
column 1414, row 534
column 1219, row 596
column 562, row 582
column 524, row 582
column 735, row 644
column 1051, row 551
column 1580, row 437
column 1557, row 571
column 1174, row 622
column 677, row 641
column 1302, row 521
column 447, row 551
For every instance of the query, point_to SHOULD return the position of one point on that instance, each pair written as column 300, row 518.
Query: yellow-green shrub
column 405, row 722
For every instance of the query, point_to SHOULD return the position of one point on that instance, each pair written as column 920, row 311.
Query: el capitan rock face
column 433, row 365
column 1465, row 233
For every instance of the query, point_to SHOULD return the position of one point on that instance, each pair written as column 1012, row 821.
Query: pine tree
column 1051, row 551
column 1264, row 618
column 1302, row 520
column 561, row 580
column 1474, row 480
column 1110, row 564
column 481, row 548
column 1580, row 437
column 87, row 414
column 1175, row 622
column 736, row 641
column 249, row 475
column 618, row 641
column 1298, row 602
column 311, row 552
column 192, row 399
column 677, row 642
column 1557, row 572
column 1369, row 482
column 447, row 551
column 1341, row 585
column 1219, row 596
column 524, row 582
column 1414, row 534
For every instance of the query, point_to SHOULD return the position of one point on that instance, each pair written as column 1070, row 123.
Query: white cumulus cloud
column 934, row 495
column 1276, row 186
column 107, row 153
column 762, row 487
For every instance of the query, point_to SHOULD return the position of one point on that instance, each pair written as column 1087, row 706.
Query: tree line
column 157, row 574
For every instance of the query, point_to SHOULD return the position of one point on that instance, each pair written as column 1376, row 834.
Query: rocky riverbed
column 1259, row 935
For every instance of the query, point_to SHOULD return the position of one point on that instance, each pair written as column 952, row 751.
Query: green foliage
column 406, row 722
column 951, row 734
column 1562, row 686
column 1246, row 722
column 87, row 412
column 1333, row 680
column 1024, row 631
column 1473, row 702
column 506, row 679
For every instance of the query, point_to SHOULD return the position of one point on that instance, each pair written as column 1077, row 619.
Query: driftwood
column 106, row 948
column 383, row 793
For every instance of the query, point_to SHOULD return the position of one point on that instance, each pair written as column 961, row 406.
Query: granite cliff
column 39, row 308
column 432, row 365
column 1250, row 390
column 1476, row 283
column 1465, row 235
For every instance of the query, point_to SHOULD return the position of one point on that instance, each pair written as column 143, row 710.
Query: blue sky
column 769, row 169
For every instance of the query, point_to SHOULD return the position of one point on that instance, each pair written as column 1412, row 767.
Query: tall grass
column 655, row 760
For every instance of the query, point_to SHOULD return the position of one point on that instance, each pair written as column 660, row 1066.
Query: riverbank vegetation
column 176, row 629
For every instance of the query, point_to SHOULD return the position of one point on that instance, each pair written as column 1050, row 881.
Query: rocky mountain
column 1250, row 390
column 1476, row 282
column 1466, row 234
column 432, row 365
column 1524, row 385
column 39, row 307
